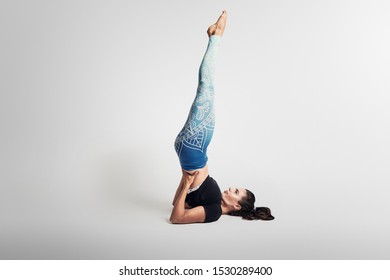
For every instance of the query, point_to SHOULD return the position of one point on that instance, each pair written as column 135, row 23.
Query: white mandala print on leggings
column 199, row 127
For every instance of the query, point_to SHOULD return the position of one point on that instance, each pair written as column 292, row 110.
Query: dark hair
column 248, row 210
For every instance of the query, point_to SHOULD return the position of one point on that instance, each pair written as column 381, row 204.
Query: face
column 232, row 196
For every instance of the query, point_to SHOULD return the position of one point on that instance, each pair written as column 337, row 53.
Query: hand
column 189, row 178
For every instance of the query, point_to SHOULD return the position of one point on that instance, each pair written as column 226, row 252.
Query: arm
column 179, row 214
column 179, row 188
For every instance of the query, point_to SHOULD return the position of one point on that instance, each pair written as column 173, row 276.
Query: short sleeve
column 213, row 212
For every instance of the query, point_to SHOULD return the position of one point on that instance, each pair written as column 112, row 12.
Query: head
column 241, row 202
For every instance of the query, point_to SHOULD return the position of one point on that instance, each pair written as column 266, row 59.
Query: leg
column 192, row 142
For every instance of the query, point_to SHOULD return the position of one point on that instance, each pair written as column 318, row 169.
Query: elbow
column 175, row 220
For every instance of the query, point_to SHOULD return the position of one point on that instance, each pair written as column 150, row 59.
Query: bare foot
column 219, row 27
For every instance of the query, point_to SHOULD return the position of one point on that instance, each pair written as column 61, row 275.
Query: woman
column 198, row 197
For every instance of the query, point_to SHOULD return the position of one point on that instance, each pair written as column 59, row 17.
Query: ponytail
column 259, row 213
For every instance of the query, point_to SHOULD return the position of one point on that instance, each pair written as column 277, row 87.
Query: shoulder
column 212, row 212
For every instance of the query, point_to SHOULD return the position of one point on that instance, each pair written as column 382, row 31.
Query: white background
column 93, row 94
column 190, row 269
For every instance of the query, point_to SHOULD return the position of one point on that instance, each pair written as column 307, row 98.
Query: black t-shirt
column 209, row 196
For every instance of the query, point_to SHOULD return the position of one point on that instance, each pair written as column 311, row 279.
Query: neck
column 224, row 208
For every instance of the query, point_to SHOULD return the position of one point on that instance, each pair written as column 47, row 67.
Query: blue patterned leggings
column 192, row 141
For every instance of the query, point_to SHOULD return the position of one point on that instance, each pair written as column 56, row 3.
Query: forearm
column 179, row 188
column 178, row 210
